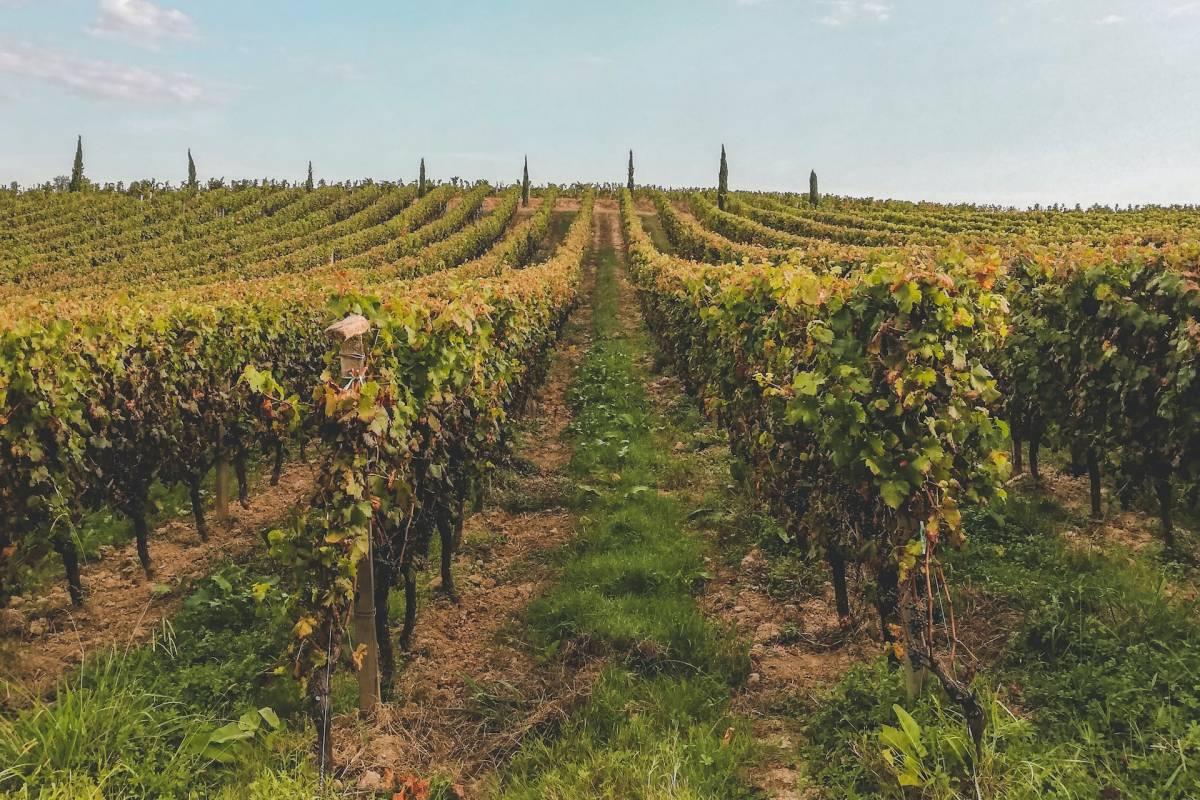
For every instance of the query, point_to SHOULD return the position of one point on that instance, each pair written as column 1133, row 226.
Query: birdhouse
column 351, row 333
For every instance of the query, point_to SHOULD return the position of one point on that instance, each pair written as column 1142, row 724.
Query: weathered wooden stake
column 364, row 633
column 350, row 333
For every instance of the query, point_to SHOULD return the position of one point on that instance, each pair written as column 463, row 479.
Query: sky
column 994, row 101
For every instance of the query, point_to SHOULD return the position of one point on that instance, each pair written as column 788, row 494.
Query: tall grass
column 110, row 738
column 133, row 724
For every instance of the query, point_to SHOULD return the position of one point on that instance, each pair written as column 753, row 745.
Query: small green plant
column 235, row 741
column 903, row 751
column 911, row 761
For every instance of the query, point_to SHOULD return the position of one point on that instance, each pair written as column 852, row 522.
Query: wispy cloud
column 844, row 12
column 1110, row 19
column 100, row 79
column 1184, row 10
column 142, row 21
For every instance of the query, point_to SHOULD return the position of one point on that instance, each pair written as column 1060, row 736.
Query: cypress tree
column 723, row 182
column 630, row 185
column 308, row 184
column 421, row 180
column 814, row 197
column 76, row 184
column 525, row 184
column 192, row 182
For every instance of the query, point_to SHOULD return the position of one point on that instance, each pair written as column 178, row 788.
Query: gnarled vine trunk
column 1035, row 446
column 837, row 566
column 1093, row 470
column 277, row 466
column 141, row 533
column 64, row 545
column 197, row 507
column 1162, row 488
column 385, row 579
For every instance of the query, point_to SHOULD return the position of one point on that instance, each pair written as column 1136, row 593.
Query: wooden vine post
column 350, row 334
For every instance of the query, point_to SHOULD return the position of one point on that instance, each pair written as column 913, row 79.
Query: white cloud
column 1111, row 19
column 100, row 79
column 142, row 21
column 1184, row 10
column 844, row 12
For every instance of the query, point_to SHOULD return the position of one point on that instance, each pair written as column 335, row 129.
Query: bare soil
column 607, row 228
column 122, row 608
column 1134, row 530
column 491, row 201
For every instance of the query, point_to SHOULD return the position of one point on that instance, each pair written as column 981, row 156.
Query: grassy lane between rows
column 657, row 724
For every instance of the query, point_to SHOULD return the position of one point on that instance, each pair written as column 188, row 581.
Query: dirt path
column 121, row 607
column 471, row 691
column 798, row 651
column 607, row 230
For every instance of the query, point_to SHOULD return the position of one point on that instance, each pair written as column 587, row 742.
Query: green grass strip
column 657, row 724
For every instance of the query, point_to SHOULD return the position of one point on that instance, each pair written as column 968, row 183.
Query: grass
column 657, row 724
column 653, row 225
column 90, row 731
column 1095, row 691
column 134, row 724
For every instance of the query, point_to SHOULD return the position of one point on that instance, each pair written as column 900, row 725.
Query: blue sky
column 1009, row 101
